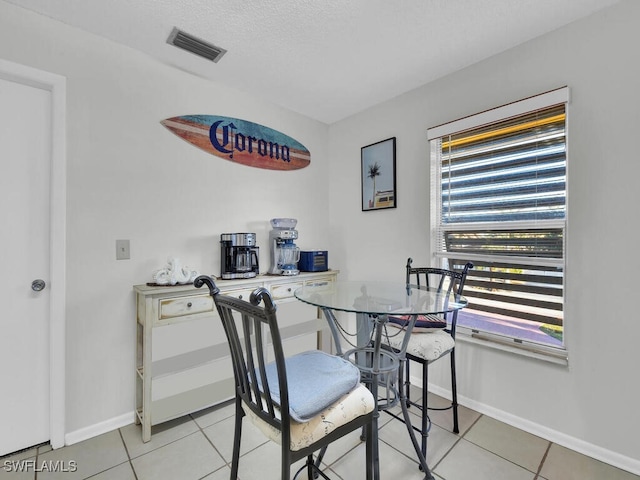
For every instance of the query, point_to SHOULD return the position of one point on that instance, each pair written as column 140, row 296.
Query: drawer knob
column 189, row 305
column 289, row 289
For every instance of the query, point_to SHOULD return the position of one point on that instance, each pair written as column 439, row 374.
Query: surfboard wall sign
column 240, row 141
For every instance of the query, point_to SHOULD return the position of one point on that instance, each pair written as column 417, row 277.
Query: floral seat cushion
column 429, row 346
column 350, row 406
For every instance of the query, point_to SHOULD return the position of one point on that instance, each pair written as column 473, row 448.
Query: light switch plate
column 122, row 250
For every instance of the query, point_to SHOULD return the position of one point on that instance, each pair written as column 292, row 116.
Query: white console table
column 183, row 362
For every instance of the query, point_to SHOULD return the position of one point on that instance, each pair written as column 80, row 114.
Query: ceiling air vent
column 192, row 44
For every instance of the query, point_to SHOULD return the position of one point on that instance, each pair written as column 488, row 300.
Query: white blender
column 284, row 252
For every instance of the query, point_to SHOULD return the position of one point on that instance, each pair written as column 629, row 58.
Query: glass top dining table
column 373, row 302
column 379, row 298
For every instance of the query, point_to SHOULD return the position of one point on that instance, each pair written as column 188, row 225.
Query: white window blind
column 499, row 201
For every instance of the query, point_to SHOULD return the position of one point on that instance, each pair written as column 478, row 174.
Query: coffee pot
column 244, row 259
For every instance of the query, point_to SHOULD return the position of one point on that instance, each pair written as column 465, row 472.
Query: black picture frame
column 378, row 175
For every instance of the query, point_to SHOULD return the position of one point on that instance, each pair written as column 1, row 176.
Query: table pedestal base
column 379, row 367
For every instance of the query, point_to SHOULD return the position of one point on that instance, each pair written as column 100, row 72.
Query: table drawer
column 320, row 282
column 241, row 294
column 285, row 290
column 178, row 307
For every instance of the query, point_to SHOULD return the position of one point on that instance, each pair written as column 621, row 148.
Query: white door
column 25, row 153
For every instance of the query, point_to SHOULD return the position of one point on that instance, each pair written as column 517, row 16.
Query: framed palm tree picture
column 379, row 175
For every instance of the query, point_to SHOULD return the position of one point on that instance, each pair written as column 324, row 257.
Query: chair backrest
column 254, row 341
column 441, row 280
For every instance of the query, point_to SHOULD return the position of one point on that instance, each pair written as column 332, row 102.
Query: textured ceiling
column 326, row 59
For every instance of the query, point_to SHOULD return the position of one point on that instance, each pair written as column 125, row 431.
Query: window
column 499, row 201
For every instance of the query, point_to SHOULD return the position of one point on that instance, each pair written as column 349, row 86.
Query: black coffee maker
column 238, row 255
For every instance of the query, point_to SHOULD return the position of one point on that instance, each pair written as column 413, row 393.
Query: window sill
column 505, row 344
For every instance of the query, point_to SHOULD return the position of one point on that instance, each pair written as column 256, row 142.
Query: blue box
column 313, row 261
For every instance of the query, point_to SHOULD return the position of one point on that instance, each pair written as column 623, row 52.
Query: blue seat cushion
column 316, row 380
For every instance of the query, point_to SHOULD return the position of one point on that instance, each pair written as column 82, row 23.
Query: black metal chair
column 303, row 402
column 432, row 338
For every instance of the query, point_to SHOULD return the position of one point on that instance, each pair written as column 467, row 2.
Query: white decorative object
column 174, row 273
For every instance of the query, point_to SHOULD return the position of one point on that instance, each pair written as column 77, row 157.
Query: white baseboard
column 607, row 456
column 99, row 428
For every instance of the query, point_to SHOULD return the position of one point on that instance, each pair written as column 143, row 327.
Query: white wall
column 591, row 404
column 130, row 178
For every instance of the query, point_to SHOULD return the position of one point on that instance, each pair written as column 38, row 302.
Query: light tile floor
column 199, row 446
